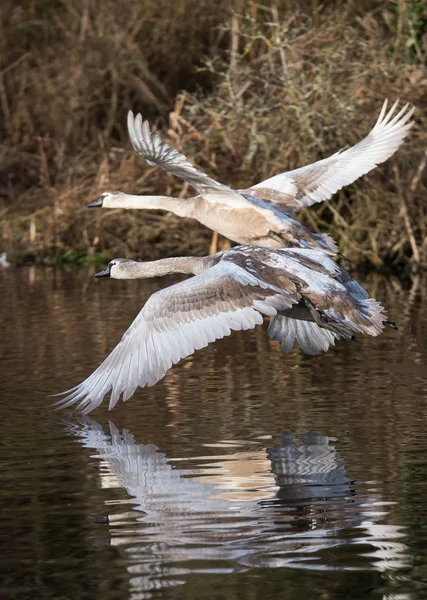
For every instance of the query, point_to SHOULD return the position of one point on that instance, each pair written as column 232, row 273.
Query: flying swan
column 263, row 213
column 230, row 290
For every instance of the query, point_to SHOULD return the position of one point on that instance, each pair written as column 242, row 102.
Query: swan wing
column 342, row 304
column 174, row 323
column 330, row 297
column 293, row 190
column 311, row 338
column 156, row 152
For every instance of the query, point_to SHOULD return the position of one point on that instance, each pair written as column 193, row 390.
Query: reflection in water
column 283, row 505
column 212, row 506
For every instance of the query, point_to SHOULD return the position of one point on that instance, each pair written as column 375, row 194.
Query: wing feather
column 332, row 298
column 173, row 324
column 311, row 338
column 293, row 190
column 156, row 152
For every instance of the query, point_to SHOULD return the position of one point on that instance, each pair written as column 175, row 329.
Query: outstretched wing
column 313, row 183
column 156, row 152
column 176, row 321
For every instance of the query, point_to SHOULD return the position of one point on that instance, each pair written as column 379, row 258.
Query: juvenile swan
column 262, row 214
column 231, row 290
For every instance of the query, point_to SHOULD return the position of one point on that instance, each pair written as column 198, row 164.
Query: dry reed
column 245, row 93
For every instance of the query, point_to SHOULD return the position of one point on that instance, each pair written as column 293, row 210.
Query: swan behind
column 263, row 213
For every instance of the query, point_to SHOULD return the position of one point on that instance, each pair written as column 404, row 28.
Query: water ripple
column 280, row 505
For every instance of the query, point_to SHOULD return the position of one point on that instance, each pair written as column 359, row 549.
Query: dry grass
column 245, row 94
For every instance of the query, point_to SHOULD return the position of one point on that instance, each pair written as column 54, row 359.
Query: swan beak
column 105, row 272
column 97, row 203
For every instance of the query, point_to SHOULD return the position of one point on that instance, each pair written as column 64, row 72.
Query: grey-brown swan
column 263, row 213
column 231, row 290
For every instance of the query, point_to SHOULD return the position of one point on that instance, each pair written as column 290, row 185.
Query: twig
column 234, row 41
column 414, row 184
column 407, row 221
column 44, row 163
column 184, row 190
column 275, row 15
column 416, row 179
column 15, row 63
column 84, row 23
column 5, row 107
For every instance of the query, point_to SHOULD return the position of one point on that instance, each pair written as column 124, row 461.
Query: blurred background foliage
column 245, row 89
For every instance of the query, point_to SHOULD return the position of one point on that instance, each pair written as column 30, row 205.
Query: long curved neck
column 182, row 208
column 191, row 265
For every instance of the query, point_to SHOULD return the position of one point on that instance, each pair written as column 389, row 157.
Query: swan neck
column 191, row 265
column 129, row 201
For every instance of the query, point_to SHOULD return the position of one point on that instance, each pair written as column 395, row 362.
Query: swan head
column 107, row 200
column 120, row 268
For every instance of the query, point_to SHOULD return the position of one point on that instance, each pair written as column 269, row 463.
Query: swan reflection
column 281, row 504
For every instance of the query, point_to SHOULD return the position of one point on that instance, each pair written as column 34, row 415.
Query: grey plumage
column 241, row 216
column 231, row 291
column 311, row 338
column 252, row 215
column 158, row 153
column 302, row 187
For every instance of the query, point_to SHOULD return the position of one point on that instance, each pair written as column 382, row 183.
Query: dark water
column 244, row 474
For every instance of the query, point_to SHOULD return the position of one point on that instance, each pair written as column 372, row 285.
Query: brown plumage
column 315, row 300
column 262, row 213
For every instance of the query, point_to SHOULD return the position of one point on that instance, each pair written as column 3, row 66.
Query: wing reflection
column 275, row 506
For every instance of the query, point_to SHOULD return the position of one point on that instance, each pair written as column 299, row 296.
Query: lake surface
column 244, row 474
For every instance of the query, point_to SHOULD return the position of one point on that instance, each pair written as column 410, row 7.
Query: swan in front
column 230, row 290
column 263, row 213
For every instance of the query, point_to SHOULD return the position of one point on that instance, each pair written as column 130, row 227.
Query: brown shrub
column 300, row 88
column 265, row 89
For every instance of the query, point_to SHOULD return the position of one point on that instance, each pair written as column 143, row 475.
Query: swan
column 230, row 290
column 264, row 213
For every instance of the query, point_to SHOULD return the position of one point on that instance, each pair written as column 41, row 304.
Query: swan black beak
column 97, row 203
column 105, row 272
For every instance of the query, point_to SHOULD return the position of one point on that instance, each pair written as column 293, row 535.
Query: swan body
column 314, row 300
column 257, row 223
column 263, row 213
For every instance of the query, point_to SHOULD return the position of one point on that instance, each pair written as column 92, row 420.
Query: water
column 243, row 474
